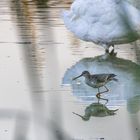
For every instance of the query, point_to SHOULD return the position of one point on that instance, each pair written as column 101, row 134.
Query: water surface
column 36, row 52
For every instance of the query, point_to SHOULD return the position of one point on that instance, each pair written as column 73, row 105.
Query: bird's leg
column 105, row 90
column 98, row 95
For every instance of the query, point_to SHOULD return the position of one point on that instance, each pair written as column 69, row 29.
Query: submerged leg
column 98, row 95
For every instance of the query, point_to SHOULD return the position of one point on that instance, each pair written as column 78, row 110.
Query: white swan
column 104, row 22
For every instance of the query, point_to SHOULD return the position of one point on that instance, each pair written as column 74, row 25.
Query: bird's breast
column 95, row 84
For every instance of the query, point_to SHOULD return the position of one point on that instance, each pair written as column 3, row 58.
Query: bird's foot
column 110, row 53
column 98, row 95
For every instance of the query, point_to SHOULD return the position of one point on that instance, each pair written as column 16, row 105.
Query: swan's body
column 104, row 22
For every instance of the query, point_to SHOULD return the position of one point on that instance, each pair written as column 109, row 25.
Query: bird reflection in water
column 96, row 110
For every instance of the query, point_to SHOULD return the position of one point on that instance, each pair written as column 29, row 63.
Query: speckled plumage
column 97, row 81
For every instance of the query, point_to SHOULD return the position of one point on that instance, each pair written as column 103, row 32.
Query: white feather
column 104, row 21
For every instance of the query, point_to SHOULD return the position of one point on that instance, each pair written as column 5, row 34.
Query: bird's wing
column 103, row 77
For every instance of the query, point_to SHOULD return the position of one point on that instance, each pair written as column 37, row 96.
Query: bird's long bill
column 78, row 115
column 77, row 77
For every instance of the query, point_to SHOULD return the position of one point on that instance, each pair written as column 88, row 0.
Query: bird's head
column 84, row 73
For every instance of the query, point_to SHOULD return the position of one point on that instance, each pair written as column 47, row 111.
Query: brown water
column 36, row 100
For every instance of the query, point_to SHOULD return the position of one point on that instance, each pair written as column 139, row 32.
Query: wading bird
column 97, row 81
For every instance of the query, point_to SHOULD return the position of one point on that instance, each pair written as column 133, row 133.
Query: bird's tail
column 112, row 77
column 115, row 79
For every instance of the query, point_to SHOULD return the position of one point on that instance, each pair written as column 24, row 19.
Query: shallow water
column 38, row 58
